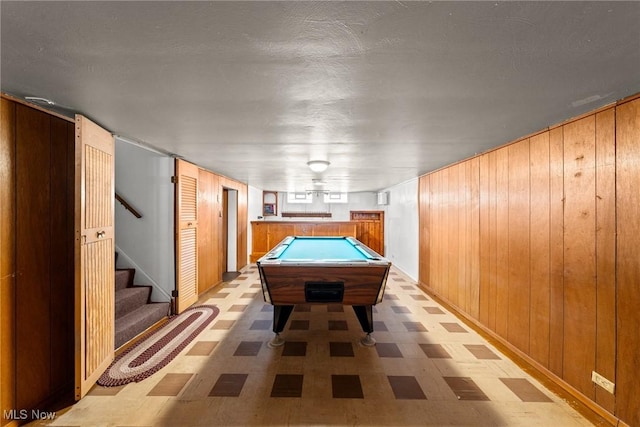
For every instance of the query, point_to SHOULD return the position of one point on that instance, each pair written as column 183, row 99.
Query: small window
column 335, row 198
column 299, row 197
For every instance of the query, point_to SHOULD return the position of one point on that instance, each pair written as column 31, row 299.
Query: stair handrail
column 127, row 206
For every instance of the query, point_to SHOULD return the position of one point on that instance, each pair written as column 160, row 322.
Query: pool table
column 322, row 270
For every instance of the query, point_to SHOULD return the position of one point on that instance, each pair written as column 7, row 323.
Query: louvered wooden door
column 187, row 234
column 94, row 253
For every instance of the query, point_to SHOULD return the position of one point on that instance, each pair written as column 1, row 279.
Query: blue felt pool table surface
column 322, row 248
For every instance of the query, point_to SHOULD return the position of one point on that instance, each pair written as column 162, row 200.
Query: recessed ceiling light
column 318, row 165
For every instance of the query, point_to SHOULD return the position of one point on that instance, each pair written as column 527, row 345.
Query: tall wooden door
column 94, row 253
column 186, row 234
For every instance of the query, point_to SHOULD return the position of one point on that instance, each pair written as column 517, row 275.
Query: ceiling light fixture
column 318, row 165
column 318, row 182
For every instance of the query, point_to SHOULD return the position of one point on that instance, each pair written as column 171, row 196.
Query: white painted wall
column 254, row 210
column 402, row 227
column 143, row 178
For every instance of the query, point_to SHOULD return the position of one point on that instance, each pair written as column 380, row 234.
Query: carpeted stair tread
column 129, row 299
column 137, row 321
column 124, row 277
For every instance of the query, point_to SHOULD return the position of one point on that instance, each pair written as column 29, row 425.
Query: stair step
column 129, row 299
column 137, row 321
column 124, row 277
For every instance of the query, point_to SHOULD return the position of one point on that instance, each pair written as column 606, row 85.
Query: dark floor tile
column 399, row 279
column 241, row 278
column 238, row 308
column 406, row 387
column 435, row 351
column 170, row 385
column 249, row 295
column 231, row 285
column 341, row 349
column 295, row 348
column 481, row 351
column 98, row 390
column 229, row 385
column 388, row 350
column 346, row 387
column 454, row 328
column 287, row 385
column 248, row 348
column 399, row 309
column 408, row 287
column 335, row 308
column 338, row 325
column 374, row 309
column 414, row 327
column 261, row 325
column 202, row 348
column 256, row 286
column 391, row 297
column 419, row 297
column 465, row 389
column 267, row 308
column 299, row 325
column 433, row 310
column 526, row 391
column 220, row 295
column 223, row 324
column 378, row 325
column 303, row 308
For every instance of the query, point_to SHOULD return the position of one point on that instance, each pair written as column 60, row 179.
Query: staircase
column 134, row 310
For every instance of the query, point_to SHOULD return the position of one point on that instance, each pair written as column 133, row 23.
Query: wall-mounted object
column 383, row 198
column 269, row 203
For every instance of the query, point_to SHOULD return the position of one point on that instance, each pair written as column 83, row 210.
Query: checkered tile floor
column 427, row 368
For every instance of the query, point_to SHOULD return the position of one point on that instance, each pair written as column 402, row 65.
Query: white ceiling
column 385, row 91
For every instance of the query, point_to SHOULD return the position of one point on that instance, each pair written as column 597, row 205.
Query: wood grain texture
column 502, row 242
column 556, row 251
column 473, row 235
column 187, row 234
column 94, row 253
column 579, row 254
column 33, row 250
column 361, row 284
column 605, row 253
column 483, row 240
column 540, row 251
column 7, row 252
column 519, row 282
column 628, row 262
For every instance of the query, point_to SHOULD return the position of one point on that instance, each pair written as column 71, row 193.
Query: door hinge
column 174, row 293
column 174, row 179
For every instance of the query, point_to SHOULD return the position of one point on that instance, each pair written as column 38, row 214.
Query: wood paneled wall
column 37, row 256
column 265, row 235
column 522, row 241
column 211, row 235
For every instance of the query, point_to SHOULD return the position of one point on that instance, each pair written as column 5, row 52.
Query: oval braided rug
column 159, row 348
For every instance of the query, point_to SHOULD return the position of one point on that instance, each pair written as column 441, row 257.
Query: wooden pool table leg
column 364, row 313
column 281, row 315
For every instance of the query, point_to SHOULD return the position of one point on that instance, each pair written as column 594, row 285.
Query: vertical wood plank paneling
column 94, row 253
column 474, row 236
column 483, row 240
column 454, row 230
column 206, row 254
column 605, row 253
column 518, row 230
column 556, row 250
column 435, row 254
column 62, row 292
column 493, row 240
column 628, row 262
column 539, row 255
column 461, row 254
column 33, row 251
column 502, row 241
column 7, row 253
column 579, row 254
column 424, row 237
